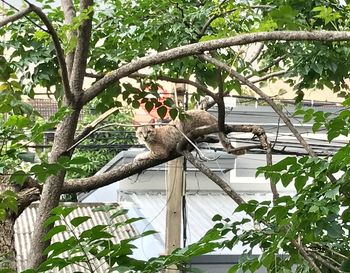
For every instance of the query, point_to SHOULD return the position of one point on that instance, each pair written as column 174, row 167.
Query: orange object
column 142, row 116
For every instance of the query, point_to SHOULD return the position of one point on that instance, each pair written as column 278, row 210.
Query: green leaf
column 55, row 230
column 149, row 106
column 300, row 182
column 346, row 215
column 260, row 212
column 63, row 211
column 334, row 230
column 332, row 193
column 314, row 208
column 27, row 157
column 173, row 113
column 135, row 104
column 275, row 177
column 80, row 160
column 79, row 220
column 52, row 219
column 119, row 213
column 346, row 266
column 162, row 111
column 286, row 178
column 217, row 217
column 19, row 177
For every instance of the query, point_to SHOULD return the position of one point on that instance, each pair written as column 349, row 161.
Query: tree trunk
column 52, row 188
column 7, row 233
column 7, row 243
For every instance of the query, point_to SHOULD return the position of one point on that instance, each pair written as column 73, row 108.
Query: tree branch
column 215, row 178
column 81, row 50
column 177, row 80
column 268, row 76
column 197, row 48
column 264, row 69
column 59, row 51
column 215, row 16
column 306, row 256
column 90, row 127
column 126, row 170
column 69, row 14
column 326, row 263
column 257, row 90
column 16, row 16
column 220, row 100
column 257, row 54
column 115, row 175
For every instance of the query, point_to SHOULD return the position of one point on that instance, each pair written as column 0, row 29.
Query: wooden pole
column 174, row 191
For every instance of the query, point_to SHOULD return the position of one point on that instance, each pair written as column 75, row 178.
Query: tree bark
column 7, row 233
column 7, row 243
column 52, row 188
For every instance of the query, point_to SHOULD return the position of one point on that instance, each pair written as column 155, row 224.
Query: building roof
column 25, row 225
column 46, row 107
column 200, row 209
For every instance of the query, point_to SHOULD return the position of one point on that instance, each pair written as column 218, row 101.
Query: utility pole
column 174, row 191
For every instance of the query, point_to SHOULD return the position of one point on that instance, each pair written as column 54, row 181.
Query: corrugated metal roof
column 25, row 225
column 201, row 207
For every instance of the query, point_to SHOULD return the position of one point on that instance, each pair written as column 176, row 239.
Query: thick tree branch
column 177, row 80
column 18, row 15
column 59, row 51
column 81, row 50
column 197, row 48
column 115, row 175
column 69, row 14
column 124, row 171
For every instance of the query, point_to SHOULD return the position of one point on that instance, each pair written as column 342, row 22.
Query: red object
column 143, row 116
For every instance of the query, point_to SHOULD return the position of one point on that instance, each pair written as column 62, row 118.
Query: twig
column 16, row 16
column 257, row 54
column 324, row 256
column 264, row 69
column 29, row 19
column 325, row 263
column 201, row 155
column 306, row 256
column 273, row 105
column 90, row 127
column 270, row 75
column 331, row 250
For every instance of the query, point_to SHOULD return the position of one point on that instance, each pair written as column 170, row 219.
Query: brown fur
column 163, row 140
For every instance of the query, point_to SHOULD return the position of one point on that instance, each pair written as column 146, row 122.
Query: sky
column 19, row 3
